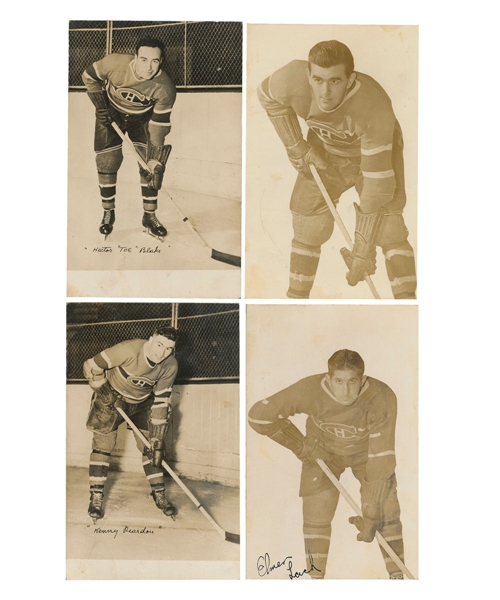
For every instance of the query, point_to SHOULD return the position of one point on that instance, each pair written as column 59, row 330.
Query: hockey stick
column 339, row 222
column 229, row 259
column 357, row 510
column 229, row 537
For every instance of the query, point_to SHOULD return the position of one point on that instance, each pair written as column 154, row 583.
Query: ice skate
column 163, row 504
column 152, row 226
column 107, row 222
column 398, row 575
column 95, row 507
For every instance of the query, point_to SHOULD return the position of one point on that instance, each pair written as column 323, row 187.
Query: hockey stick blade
column 232, row 537
column 229, row 259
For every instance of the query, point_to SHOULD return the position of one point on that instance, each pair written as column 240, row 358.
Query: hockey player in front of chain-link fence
column 136, row 376
column 136, row 94
column 354, row 140
column 351, row 420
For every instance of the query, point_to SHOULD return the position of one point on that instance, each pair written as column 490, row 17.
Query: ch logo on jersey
column 129, row 96
column 346, row 432
column 140, row 382
column 329, row 134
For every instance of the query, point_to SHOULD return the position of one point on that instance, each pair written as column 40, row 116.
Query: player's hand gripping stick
column 350, row 500
column 339, row 222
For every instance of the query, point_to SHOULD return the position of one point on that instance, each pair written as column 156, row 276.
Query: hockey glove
column 362, row 260
column 104, row 113
column 313, row 449
column 299, row 152
column 156, row 158
column 373, row 497
column 107, row 395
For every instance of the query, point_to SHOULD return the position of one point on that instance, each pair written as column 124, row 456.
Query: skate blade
column 157, row 237
column 94, row 520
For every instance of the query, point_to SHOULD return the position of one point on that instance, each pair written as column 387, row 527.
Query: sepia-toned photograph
column 154, row 159
column 332, row 440
column 331, row 167
column 152, row 441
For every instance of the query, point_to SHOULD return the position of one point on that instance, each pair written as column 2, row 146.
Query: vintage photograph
column 152, row 441
column 154, row 190
column 331, row 162
column 332, row 442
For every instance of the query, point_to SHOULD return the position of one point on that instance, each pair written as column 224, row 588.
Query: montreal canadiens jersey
column 133, row 375
column 365, row 426
column 363, row 125
column 127, row 93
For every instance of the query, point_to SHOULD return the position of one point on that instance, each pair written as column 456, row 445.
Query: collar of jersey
column 354, row 89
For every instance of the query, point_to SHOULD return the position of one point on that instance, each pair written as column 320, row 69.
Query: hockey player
column 354, row 139
column 136, row 375
column 135, row 93
column 351, row 423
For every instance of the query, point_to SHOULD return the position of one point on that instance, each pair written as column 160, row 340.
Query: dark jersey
column 133, row 375
column 365, row 426
column 363, row 125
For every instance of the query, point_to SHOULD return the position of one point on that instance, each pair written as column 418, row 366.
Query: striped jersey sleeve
column 381, row 420
column 379, row 181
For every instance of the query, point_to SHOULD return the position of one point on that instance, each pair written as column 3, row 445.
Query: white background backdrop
column 458, row 229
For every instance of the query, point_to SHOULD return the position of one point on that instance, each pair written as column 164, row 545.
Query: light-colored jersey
column 130, row 95
column 133, row 375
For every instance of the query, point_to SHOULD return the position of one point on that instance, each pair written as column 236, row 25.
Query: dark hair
column 168, row 332
column 150, row 42
column 331, row 53
column 345, row 359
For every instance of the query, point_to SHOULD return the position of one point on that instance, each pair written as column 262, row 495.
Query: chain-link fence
column 204, row 55
column 208, row 346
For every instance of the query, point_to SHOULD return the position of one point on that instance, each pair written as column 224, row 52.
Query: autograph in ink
column 264, row 566
column 297, row 574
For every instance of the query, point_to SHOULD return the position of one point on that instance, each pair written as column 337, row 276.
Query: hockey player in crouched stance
column 353, row 139
column 136, row 94
column 137, row 376
column 351, row 424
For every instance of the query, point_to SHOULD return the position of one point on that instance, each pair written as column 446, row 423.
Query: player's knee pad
column 392, row 232
column 319, row 509
column 109, row 161
column 103, row 442
column 312, row 230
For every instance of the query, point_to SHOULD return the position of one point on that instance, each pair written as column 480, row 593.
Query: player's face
column 147, row 62
column 345, row 385
column 159, row 348
column 329, row 85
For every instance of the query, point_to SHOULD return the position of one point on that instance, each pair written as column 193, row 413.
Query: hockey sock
column 153, row 474
column 98, row 469
column 107, row 187
column 149, row 198
column 392, row 532
column 304, row 261
column 400, row 265
column 318, row 511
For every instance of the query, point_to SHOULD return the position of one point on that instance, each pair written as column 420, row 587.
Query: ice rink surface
column 187, row 548
column 130, row 262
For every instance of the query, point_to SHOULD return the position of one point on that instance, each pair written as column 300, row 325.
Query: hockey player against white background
column 355, row 429
column 342, row 121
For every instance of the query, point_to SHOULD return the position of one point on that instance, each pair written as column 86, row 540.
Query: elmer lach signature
column 264, row 566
